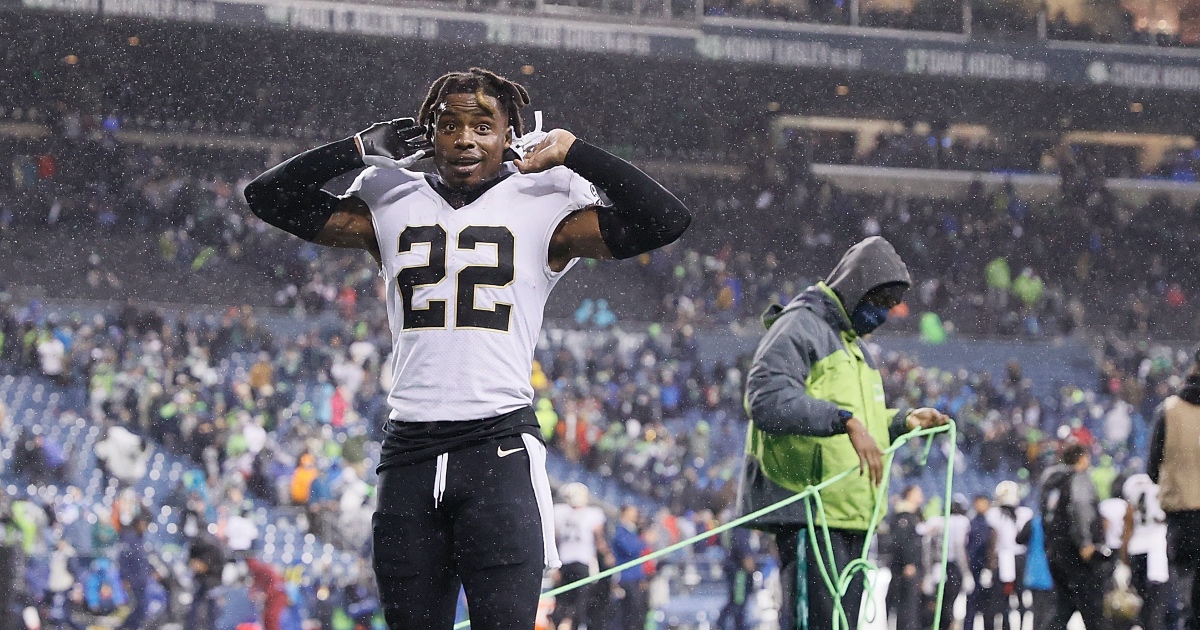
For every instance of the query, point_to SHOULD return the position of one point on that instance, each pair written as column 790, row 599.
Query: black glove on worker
column 289, row 196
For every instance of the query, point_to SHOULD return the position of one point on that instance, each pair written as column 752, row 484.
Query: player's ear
column 509, row 154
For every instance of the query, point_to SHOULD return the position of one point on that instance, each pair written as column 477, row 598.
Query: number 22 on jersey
column 466, row 279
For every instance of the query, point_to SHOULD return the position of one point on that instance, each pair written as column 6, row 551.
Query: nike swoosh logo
column 503, row 453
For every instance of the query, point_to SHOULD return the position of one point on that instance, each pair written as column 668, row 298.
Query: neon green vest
column 796, row 462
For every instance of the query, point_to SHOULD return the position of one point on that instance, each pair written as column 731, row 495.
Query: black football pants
column 904, row 600
column 807, row 603
column 1078, row 587
column 483, row 532
column 1044, row 608
column 1183, row 551
column 1153, row 615
column 572, row 605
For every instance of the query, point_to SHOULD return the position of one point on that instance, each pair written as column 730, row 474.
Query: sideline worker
column 816, row 405
column 1074, row 539
column 1175, row 466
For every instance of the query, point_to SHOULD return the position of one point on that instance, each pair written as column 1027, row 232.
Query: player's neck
column 458, row 197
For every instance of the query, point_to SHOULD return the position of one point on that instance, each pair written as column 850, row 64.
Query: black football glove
column 394, row 144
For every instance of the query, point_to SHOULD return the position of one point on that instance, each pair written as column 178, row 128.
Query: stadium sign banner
column 884, row 51
column 976, row 64
column 780, row 51
column 66, row 6
column 1129, row 67
column 887, row 52
column 360, row 20
column 574, row 35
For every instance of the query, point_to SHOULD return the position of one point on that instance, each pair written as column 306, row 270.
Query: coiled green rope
column 837, row 584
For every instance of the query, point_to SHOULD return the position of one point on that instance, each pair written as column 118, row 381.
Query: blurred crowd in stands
column 267, row 424
column 274, row 433
column 990, row 263
column 934, row 145
column 270, row 426
column 81, row 76
column 1112, row 25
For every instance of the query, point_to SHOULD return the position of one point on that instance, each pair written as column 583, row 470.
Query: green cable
column 811, row 493
column 861, row 564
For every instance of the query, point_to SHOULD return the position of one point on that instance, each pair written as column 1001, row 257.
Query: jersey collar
column 461, row 197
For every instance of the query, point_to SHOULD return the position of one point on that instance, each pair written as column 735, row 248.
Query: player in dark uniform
column 469, row 255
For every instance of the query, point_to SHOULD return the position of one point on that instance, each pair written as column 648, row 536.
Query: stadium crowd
column 934, row 145
column 990, row 263
column 1111, row 25
column 262, row 421
column 288, row 422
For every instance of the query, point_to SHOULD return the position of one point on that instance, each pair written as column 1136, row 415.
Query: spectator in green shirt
column 1028, row 288
column 999, row 283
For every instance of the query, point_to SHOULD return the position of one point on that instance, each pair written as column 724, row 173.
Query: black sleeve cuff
column 899, row 424
column 843, row 417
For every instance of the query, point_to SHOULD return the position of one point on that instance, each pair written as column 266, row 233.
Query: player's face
column 469, row 139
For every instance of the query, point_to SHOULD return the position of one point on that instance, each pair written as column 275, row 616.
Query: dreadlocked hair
column 511, row 95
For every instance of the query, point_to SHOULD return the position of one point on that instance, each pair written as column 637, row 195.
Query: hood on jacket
column 817, row 299
column 871, row 263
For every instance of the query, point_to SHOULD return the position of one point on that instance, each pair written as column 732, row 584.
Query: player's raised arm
column 290, row 196
column 644, row 215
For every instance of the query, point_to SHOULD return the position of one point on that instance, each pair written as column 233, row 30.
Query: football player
column 469, row 254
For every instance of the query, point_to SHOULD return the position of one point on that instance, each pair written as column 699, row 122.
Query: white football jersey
column 1149, row 519
column 466, row 288
column 1112, row 510
column 576, row 530
column 1005, row 532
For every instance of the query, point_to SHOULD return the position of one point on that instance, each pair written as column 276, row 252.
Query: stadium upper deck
column 1065, row 41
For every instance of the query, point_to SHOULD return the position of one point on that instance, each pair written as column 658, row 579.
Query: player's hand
column 548, row 153
column 1087, row 552
column 870, row 458
column 925, row 418
column 394, row 144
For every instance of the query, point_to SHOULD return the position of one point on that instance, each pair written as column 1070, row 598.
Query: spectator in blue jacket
column 979, row 553
column 135, row 570
column 628, row 545
column 103, row 588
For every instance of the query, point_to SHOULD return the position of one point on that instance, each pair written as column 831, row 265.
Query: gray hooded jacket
column 799, row 335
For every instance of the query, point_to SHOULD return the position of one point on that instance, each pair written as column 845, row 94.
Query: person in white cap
column 581, row 543
column 1007, row 517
